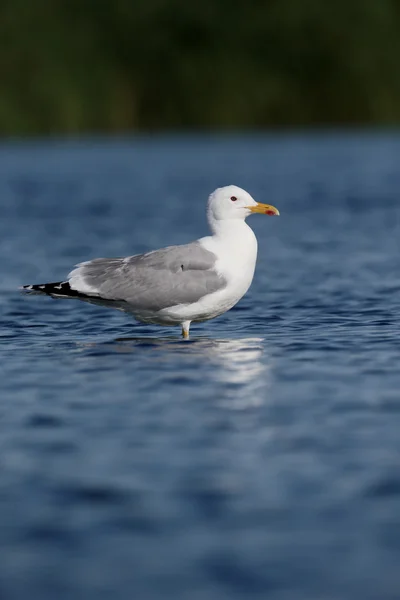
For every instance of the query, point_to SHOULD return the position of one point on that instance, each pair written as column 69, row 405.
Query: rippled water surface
column 261, row 459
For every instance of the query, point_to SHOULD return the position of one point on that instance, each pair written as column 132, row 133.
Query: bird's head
column 232, row 202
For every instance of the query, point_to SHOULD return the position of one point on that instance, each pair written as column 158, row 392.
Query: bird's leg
column 185, row 330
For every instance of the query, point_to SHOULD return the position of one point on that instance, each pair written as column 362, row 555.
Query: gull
column 176, row 285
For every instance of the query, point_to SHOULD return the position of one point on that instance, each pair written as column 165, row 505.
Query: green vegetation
column 71, row 66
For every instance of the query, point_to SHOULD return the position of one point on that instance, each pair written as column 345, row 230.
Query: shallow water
column 259, row 459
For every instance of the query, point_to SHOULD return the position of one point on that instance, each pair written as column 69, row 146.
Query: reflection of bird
column 178, row 284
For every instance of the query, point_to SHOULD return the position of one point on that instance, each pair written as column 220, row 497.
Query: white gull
column 176, row 285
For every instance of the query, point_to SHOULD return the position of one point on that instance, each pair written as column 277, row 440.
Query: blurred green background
column 93, row 66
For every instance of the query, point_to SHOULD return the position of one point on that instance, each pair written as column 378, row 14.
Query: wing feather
column 152, row 281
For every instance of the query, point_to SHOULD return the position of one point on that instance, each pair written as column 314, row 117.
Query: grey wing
column 152, row 281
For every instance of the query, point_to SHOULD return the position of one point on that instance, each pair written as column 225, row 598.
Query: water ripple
column 259, row 459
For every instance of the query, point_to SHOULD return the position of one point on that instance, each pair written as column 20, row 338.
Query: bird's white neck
column 233, row 239
column 229, row 228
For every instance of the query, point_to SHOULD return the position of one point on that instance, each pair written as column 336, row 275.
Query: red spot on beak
column 270, row 212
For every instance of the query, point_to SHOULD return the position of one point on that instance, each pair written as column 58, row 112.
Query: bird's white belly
column 208, row 307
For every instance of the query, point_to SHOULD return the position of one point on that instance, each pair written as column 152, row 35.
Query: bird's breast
column 236, row 261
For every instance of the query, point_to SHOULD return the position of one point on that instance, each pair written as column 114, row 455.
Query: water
column 260, row 459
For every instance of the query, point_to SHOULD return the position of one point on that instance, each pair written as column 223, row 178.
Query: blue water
column 259, row 460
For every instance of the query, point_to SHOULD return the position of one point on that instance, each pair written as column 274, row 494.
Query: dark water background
column 260, row 459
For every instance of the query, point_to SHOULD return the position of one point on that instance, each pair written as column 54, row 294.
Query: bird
column 176, row 285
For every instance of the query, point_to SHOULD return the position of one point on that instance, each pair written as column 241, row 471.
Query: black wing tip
column 59, row 289
column 35, row 289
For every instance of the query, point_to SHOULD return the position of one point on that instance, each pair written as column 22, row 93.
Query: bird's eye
column 233, row 198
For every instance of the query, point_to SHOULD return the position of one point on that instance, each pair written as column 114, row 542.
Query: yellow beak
column 264, row 209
